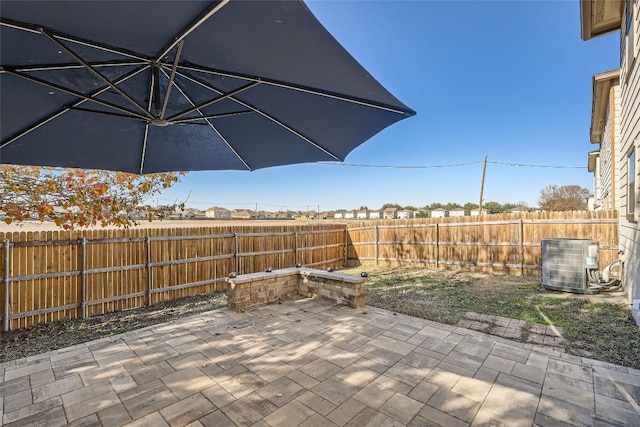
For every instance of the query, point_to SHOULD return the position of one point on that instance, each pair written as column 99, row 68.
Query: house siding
column 596, row 200
column 605, row 193
column 617, row 95
column 630, row 140
column 607, row 175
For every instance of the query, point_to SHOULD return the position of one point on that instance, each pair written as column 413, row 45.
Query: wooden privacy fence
column 57, row 275
column 506, row 243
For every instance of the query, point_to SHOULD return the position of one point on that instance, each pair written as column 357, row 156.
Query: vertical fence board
column 492, row 243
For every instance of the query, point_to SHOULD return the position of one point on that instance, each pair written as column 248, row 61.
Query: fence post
column 521, row 233
column 83, row 278
column 346, row 245
column 149, row 280
column 437, row 246
column 377, row 249
column 235, row 253
column 295, row 248
column 6, row 285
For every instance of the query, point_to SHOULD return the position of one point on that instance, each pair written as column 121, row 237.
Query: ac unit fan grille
column 563, row 264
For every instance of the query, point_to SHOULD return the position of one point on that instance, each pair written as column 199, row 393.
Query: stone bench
column 248, row 290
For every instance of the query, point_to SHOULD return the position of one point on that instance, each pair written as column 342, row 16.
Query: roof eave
column 602, row 84
column 608, row 19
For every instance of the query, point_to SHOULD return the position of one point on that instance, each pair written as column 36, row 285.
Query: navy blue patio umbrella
column 154, row 86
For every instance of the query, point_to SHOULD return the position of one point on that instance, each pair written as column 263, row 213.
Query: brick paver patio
column 549, row 336
column 310, row 363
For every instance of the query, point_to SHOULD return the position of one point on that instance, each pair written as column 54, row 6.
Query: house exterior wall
column 217, row 213
column 630, row 143
column 605, row 167
column 390, row 213
column 617, row 135
column 363, row 215
column 456, row 212
column 606, row 180
column 595, row 202
column 438, row 213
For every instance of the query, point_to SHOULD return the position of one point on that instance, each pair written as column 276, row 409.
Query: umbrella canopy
column 156, row 86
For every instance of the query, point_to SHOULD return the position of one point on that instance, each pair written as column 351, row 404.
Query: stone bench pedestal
column 248, row 290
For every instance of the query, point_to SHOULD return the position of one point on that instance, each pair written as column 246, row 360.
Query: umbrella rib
column 56, row 67
column 268, row 116
column 171, row 79
column 97, row 73
column 192, row 27
column 285, row 85
column 74, row 93
column 212, row 127
column 35, row 29
column 211, row 116
column 289, row 128
column 107, row 113
column 143, row 155
column 65, row 109
column 223, row 96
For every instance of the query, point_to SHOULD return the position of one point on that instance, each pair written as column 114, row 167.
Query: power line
column 538, row 166
column 455, row 165
column 359, row 165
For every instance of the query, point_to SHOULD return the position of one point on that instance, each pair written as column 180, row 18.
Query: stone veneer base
column 248, row 290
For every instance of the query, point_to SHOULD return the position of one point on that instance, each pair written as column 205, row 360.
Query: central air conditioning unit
column 569, row 265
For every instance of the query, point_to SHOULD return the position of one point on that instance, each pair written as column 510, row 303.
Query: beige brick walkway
column 309, row 363
column 519, row 330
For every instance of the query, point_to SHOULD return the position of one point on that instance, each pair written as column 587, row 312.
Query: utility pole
column 484, row 170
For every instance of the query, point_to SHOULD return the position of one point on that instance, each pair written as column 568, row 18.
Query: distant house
column 363, row 214
column 339, row 214
column 439, row 213
column 406, row 214
column 189, row 213
column 374, row 214
column 217, row 212
column 326, row 215
column 350, row 214
column 474, row 212
column 457, row 212
column 241, row 214
column 390, row 213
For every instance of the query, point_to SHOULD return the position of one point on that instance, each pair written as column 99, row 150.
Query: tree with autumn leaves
column 75, row 198
column 563, row 198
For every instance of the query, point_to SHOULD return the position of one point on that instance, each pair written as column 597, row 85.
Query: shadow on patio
column 310, row 363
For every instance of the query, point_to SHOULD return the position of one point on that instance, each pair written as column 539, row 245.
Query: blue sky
column 510, row 80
